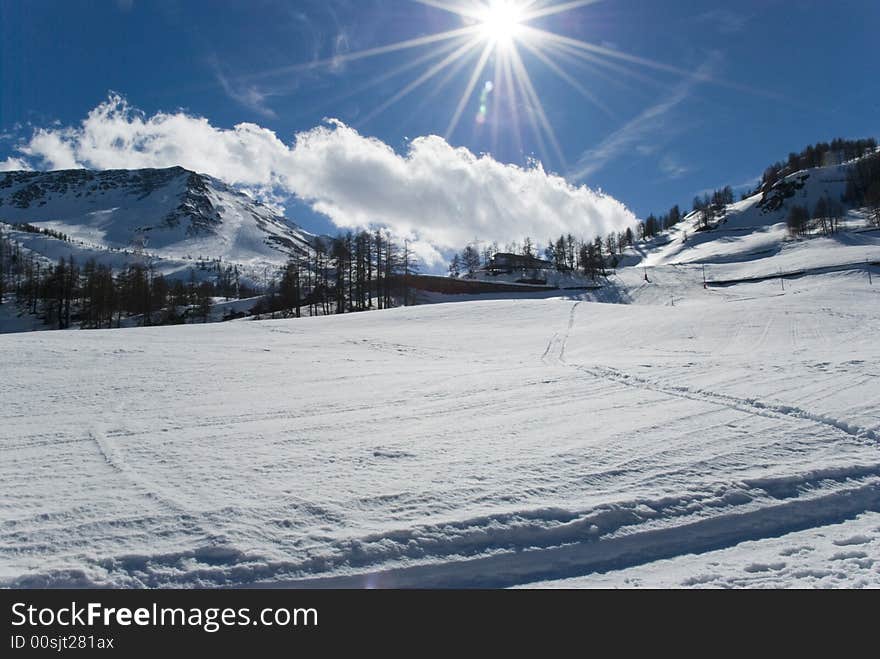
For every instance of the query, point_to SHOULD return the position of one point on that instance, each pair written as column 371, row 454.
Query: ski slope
column 494, row 443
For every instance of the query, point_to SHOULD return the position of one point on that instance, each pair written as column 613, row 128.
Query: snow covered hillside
column 173, row 214
column 751, row 239
column 490, row 443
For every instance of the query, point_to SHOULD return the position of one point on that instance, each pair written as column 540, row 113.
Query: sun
column 501, row 22
column 492, row 38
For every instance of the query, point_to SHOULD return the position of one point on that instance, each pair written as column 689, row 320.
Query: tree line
column 863, row 186
column 711, row 207
column 93, row 297
column 592, row 258
column 566, row 253
column 30, row 228
column 815, row 155
column 351, row 272
column 862, row 191
column 825, row 217
column 354, row 271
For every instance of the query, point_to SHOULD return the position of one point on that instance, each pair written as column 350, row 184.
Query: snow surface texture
column 494, row 443
column 837, row 555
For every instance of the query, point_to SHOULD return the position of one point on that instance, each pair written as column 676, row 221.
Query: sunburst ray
column 418, row 42
column 522, row 75
column 426, row 58
column 558, row 9
column 505, row 30
column 422, row 79
column 574, row 83
column 469, row 90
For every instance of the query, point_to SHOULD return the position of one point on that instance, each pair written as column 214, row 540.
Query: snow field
column 491, row 443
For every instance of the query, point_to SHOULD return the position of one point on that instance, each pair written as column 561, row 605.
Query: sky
column 442, row 119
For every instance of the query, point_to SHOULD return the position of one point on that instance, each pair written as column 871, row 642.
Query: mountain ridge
column 172, row 212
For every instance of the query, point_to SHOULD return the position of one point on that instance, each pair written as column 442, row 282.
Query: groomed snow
column 488, row 443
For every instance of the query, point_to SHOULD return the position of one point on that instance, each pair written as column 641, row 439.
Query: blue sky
column 733, row 85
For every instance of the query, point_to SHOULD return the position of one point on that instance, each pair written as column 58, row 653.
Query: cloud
column 672, row 167
column 439, row 195
column 52, row 147
column 13, row 164
column 647, row 126
column 115, row 136
column 249, row 96
column 724, row 20
column 341, row 48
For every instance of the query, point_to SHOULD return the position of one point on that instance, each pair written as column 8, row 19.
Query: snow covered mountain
column 170, row 213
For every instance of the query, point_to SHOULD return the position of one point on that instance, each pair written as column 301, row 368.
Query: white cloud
column 443, row 194
column 13, row 164
column 52, row 147
column 115, row 136
column 439, row 195
column 249, row 96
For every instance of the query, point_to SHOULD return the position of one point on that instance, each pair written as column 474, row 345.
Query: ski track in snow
column 748, row 405
column 487, row 444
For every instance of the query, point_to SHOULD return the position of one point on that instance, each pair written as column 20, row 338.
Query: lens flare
column 483, row 113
